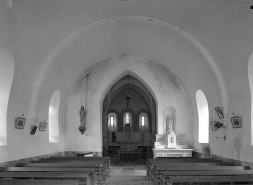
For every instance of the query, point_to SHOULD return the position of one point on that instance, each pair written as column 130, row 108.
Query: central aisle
column 128, row 174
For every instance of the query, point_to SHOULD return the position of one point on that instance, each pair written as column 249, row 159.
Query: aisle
column 128, row 174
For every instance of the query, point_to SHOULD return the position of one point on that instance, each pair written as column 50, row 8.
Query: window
column 53, row 117
column 203, row 113
column 127, row 118
column 250, row 76
column 142, row 120
column 112, row 120
column 7, row 68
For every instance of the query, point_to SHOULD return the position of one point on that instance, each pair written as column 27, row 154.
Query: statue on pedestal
column 169, row 124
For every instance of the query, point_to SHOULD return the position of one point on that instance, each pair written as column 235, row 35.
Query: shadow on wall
column 238, row 147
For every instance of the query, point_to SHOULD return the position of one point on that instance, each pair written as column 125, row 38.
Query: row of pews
column 190, row 170
column 58, row 171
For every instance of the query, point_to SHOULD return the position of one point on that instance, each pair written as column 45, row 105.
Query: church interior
column 155, row 78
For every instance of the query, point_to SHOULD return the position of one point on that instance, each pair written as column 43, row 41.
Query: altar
column 129, row 156
column 172, row 152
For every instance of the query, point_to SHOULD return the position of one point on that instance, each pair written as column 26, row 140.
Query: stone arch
column 100, row 23
column 250, row 76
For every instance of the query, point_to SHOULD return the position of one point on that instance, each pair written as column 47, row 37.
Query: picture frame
column 20, row 123
column 34, row 130
column 236, row 122
column 219, row 112
column 213, row 127
column 43, row 126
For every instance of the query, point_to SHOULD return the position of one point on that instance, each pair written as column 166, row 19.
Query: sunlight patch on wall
column 250, row 76
column 53, row 117
column 7, row 67
column 203, row 113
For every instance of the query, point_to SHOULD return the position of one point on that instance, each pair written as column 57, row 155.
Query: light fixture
column 128, row 95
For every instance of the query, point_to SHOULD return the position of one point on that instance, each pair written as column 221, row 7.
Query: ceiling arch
column 112, row 20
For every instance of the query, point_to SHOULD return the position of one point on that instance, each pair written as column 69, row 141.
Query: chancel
column 127, row 82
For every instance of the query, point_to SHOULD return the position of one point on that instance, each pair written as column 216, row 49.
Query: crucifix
column 128, row 95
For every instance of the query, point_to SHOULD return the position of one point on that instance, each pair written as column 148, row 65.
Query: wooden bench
column 81, row 177
column 39, row 182
column 157, row 169
column 168, row 174
column 210, row 179
column 89, row 171
column 105, row 160
column 190, row 162
column 178, row 159
column 160, row 169
column 98, row 168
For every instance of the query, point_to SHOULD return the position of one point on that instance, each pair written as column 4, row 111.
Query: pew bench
column 160, row 168
column 98, row 168
column 162, row 160
column 105, row 160
column 210, row 179
column 90, row 171
column 166, row 175
column 81, row 177
column 38, row 182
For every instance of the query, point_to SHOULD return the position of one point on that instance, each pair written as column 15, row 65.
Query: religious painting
column 20, row 123
column 219, row 112
column 43, row 126
column 213, row 126
column 236, row 123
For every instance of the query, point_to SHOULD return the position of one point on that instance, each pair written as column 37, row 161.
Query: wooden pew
column 160, row 169
column 211, row 179
column 98, row 167
column 151, row 164
column 157, row 169
column 81, row 177
column 178, row 159
column 168, row 174
column 38, row 182
column 91, row 172
column 105, row 160
column 101, row 163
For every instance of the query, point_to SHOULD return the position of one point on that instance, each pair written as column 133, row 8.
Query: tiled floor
column 128, row 174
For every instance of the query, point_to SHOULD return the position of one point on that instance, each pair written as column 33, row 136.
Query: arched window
column 53, row 117
column 112, row 121
column 143, row 122
column 127, row 120
column 250, row 76
column 7, row 67
column 203, row 113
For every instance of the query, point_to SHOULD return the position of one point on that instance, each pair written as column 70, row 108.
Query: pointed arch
column 7, row 68
column 53, row 117
column 250, row 76
column 203, row 113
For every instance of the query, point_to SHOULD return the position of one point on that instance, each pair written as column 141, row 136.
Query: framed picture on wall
column 213, row 126
column 20, row 123
column 219, row 112
column 236, row 123
column 43, row 126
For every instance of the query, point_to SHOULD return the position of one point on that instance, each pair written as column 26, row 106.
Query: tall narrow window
column 53, row 117
column 112, row 120
column 142, row 120
column 203, row 113
column 7, row 67
column 127, row 118
column 250, row 76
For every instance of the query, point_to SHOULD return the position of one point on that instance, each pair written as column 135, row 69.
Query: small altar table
column 172, row 152
column 129, row 156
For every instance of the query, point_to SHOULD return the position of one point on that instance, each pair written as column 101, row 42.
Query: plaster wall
column 31, row 30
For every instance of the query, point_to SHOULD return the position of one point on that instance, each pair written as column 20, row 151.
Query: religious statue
column 169, row 124
column 113, row 136
column 82, row 113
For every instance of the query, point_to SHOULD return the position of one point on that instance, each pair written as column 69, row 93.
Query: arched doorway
column 129, row 117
